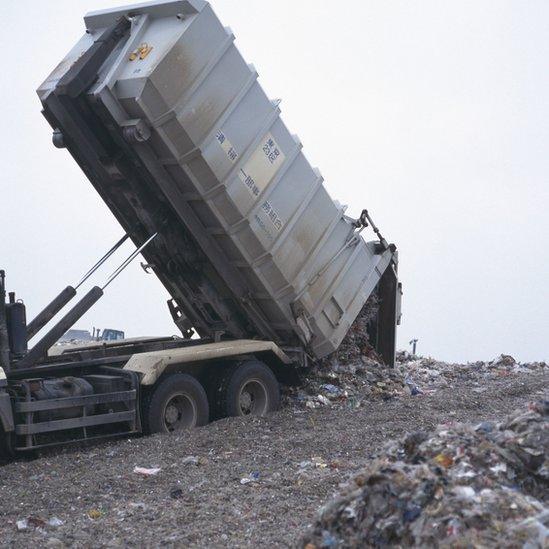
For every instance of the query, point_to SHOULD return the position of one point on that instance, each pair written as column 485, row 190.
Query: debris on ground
column 148, row 472
column 252, row 477
column 244, row 482
column 176, row 493
column 193, row 460
column 197, row 500
column 430, row 375
column 463, row 485
column 355, row 374
column 350, row 379
column 38, row 523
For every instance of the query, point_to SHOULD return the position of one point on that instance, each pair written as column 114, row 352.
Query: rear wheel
column 179, row 402
column 249, row 388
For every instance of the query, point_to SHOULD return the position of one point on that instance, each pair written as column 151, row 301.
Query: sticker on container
column 271, row 213
column 262, row 166
column 226, row 145
column 141, row 52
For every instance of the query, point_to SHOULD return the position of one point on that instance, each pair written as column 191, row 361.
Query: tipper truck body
column 170, row 125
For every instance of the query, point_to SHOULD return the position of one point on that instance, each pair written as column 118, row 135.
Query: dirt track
column 299, row 456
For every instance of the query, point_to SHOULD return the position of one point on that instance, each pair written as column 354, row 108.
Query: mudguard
column 153, row 365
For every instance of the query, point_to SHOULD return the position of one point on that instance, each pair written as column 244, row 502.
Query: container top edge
column 156, row 8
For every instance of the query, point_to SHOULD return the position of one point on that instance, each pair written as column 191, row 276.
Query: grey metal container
column 212, row 167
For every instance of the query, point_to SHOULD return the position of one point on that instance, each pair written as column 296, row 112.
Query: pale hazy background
column 433, row 114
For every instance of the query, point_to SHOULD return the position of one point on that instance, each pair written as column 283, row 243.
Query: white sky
column 433, row 114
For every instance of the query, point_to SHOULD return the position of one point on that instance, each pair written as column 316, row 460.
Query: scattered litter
column 348, row 378
column 414, row 389
column 480, row 485
column 429, row 375
column 252, row 477
column 323, row 400
column 319, row 463
column 332, row 391
column 462, row 485
column 37, row 522
column 147, row 472
column 355, row 374
column 54, row 522
column 303, row 456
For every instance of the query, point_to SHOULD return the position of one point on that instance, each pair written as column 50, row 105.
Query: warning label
column 262, row 166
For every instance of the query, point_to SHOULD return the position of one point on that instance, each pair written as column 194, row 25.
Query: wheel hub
column 246, row 400
column 180, row 413
column 253, row 399
column 172, row 414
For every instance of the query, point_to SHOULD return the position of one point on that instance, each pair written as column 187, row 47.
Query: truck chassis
column 124, row 380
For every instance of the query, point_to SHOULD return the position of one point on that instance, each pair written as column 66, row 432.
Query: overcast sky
column 432, row 114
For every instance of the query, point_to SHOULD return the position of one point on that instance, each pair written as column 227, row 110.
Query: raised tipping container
column 170, row 124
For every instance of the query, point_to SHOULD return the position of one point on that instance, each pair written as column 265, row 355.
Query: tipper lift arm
column 11, row 330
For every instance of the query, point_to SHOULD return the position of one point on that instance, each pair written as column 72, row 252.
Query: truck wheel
column 249, row 388
column 178, row 402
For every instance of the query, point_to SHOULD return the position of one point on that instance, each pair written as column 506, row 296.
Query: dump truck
column 265, row 271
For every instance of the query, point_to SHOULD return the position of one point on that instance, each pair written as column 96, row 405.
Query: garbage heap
column 427, row 375
column 461, row 486
column 356, row 344
column 355, row 373
column 352, row 373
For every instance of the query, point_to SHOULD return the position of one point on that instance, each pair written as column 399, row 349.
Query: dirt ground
column 237, row 482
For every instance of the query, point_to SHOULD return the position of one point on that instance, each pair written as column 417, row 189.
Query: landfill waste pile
column 356, row 343
column 426, row 375
column 335, row 382
column 239, row 482
column 352, row 373
column 484, row 485
column 355, row 374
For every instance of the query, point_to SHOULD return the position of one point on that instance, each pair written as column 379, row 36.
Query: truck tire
column 249, row 388
column 178, row 402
